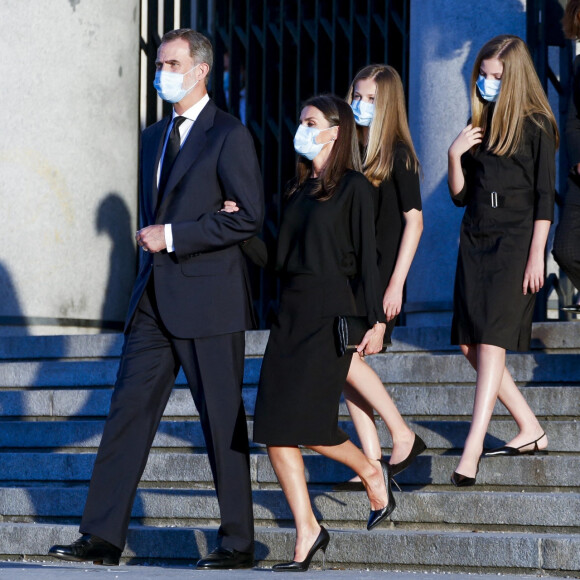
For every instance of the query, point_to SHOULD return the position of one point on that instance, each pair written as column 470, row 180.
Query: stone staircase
column 521, row 516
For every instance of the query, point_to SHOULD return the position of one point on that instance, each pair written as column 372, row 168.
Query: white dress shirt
column 190, row 116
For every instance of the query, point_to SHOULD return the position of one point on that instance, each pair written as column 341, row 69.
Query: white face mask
column 169, row 85
column 305, row 141
column 488, row 88
column 363, row 112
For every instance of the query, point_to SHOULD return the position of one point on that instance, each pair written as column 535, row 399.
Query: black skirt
column 302, row 375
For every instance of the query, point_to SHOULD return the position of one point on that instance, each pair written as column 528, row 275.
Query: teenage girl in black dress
column 502, row 168
column 390, row 163
column 326, row 237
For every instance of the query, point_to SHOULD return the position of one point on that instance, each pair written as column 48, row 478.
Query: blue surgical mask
column 488, row 88
column 305, row 141
column 363, row 112
column 169, row 85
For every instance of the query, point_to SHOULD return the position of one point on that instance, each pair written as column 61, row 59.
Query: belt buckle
column 494, row 199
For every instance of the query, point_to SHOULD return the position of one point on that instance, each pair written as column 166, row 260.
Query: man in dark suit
column 189, row 308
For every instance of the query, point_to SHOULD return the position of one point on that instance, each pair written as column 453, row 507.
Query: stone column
column 68, row 163
column 446, row 36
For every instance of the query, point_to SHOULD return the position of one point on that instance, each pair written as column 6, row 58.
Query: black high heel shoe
column 377, row 516
column 418, row 448
column 459, row 480
column 321, row 543
column 511, row 451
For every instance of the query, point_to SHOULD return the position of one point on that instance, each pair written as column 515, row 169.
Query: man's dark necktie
column 171, row 151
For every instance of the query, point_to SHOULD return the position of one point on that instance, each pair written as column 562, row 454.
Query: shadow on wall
column 114, row 219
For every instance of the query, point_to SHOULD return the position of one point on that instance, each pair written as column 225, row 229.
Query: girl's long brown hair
column 344, row 155
column 521, row 96
column 389, row 125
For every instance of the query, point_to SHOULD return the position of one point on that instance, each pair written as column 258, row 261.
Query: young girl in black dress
column 325, row 238
column 502, row 168
column 390, row 163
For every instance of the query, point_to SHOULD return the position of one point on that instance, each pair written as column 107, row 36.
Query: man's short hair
column 199, row 46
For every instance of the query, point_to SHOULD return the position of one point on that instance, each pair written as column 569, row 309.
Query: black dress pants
column 150, row 361
column 566, row 248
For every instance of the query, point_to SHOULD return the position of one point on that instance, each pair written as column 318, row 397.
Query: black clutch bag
column 349, row 332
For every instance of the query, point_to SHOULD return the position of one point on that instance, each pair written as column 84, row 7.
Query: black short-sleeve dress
column 321, row 245
column 503, row 197
column 394, row 197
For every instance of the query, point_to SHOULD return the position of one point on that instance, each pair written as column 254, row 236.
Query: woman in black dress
column 566, row 248
column 390, row 163
column 502, row 168
column 326, row 237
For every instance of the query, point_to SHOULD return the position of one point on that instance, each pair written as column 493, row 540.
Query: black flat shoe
column 349, row 486
column 418, row 448
column 321, row 543
column 507, row 451
column 377, row 516
column 226, row 559
column 86, row 549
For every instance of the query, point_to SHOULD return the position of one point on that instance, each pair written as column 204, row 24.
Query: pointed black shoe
column 459, row 480
column 86, row 549
column 377, row 516
column 321, row 543
column 226, row 559
column 507, row 451
column 418, row 448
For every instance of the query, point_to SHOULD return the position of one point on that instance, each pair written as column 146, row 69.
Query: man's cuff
column 169, row 238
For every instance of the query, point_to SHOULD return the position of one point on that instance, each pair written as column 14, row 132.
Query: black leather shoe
column 88, row 548
column 418, row 448
column 459, row 480
column 511, row 451
column 321, row 543
column 226, row 559
column 377, row 516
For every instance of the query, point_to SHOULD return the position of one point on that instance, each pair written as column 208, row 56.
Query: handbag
column 349, row 332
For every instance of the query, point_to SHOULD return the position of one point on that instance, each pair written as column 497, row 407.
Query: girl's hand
column 230, row 207
column 469, row 137
column 372, row 341
column 534, row 274
column 392, row 302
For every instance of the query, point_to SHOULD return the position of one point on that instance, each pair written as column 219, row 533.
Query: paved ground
column 72, row 571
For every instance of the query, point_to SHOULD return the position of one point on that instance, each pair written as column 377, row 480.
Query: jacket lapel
column 193, row 146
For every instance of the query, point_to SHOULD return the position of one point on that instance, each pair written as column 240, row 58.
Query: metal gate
column 270, row 56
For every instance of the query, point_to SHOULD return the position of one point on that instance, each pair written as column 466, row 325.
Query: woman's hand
column 372, row 341
column 534, row 274
column 230, row 207
column 469, row 137
column 392, row 302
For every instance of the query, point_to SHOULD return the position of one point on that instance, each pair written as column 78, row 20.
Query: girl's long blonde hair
column 521, row 96
column 389, row 125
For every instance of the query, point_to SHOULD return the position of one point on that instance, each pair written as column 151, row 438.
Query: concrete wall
column 445, row 38
column 68, row 159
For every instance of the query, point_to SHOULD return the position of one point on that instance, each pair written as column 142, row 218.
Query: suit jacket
column 202, row 289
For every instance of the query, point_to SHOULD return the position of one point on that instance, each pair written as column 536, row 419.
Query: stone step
column 183, row 468
column 402, row 549
column 550, row 336
column 563, row 435
column 392, row 368
column 447, row 509
column 413, row 400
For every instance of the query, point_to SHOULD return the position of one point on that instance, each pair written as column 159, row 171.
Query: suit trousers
column 150, row 361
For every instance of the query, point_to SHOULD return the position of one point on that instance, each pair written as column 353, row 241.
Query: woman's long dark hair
column 345, row 152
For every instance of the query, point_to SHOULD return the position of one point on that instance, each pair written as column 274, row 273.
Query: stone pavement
column 73, row 571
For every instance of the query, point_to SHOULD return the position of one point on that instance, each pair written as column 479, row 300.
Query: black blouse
column 395, row 196
column 329, row 238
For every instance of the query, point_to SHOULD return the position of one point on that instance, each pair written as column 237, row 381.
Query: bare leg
column 366, row 391
column 490, row 367
column 516, row 404
column 289, row 467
